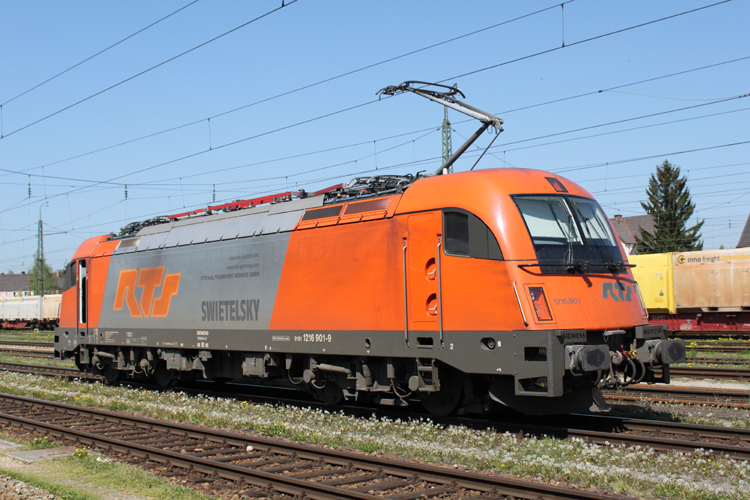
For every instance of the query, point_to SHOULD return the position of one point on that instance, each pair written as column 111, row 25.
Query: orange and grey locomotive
column 464, row 291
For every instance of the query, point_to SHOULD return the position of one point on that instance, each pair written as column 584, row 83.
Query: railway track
column 662, row 436
column 49, row 371
column 251, row 465
column 695, row 372
column 719, row 361
column 704, row 335
column 723, row 347
column 723, row 398
column 603, row 430
column 49, row 345
column 27, row 349
column 27, row 353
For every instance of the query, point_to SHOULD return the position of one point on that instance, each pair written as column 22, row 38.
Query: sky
column 113, row 112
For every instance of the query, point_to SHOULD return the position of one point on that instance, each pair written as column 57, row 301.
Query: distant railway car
column 697, row 292
column 34, row 311
column 465, row 291
column 499, row 285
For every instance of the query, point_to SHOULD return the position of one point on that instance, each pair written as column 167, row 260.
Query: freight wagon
column 697, row 293
column 37, row 312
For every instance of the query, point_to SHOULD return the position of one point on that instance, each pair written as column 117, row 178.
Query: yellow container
column 654, row 276
column 712, row 280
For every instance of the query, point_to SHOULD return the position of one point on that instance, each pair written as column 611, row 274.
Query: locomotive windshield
column 569, row 234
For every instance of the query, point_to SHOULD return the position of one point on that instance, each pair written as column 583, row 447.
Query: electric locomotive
column 464, row 291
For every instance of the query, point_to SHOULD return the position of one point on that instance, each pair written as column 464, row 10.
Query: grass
column 630, row 471
column 57, row 363
column 706, row 352
column 64, row 492
column 27, row 335
column 91, row 473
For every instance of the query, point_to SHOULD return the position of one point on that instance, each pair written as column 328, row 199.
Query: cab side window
column 467, row 236
column 456, row 231
column 69, row 281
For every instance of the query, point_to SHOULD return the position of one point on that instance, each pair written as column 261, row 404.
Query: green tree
column 670, row 205
column 49, row 278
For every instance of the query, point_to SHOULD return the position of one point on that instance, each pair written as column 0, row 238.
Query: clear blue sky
column 310, row 41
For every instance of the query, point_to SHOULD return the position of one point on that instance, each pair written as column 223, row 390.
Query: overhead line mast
column 447, row 140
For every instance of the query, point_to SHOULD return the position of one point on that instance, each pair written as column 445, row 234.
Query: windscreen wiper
column 570, row 266
column 446, row 98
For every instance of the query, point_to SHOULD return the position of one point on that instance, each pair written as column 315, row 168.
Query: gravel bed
column 12, row 489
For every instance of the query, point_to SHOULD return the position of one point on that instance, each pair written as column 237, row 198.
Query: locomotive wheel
column 111, row 374
column 445, row 401
column 163, row 376
column 83, row 367
column 330, row 394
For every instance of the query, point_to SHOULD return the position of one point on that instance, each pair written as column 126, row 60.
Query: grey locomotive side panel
column 227, row 285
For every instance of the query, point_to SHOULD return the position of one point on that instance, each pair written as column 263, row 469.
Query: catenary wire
column 98, row 53
column 97, row 183
column 298, row 89
column 476, row 71
column 289, row 2
column 401, row 165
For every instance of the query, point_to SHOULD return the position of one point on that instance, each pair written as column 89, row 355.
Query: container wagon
column 697, row 293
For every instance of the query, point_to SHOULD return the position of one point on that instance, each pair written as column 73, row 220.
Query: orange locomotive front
column 465, row 291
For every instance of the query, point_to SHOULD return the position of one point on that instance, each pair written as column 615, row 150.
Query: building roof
column 745, row 236
column 627, row 228
column 14, row 282
column 20, row 283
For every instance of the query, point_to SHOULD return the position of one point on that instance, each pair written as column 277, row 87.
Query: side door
column 82, row 299
column 423, row 277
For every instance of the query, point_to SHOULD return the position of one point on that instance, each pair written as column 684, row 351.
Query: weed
column 40, row 443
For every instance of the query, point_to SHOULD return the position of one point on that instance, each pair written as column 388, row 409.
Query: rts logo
column 149, row 279
column 618, row 291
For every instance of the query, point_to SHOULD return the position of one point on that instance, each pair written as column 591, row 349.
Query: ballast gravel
column 12, row 489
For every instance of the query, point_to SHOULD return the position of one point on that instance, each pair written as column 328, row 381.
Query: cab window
column 467, row 236
column 69, row 281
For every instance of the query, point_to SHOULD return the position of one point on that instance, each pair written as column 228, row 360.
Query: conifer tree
column 670, row 205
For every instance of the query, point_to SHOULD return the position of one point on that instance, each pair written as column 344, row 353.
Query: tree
column 50, row 280
column 670, row 205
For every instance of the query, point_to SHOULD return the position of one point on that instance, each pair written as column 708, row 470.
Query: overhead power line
column 586, row 40
column 307, row 86
column 111, row 181
column 97, row 54
column 404, row 55
column 366, row 103
column 289, row 2
column 401, row 165
column 581, row 129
